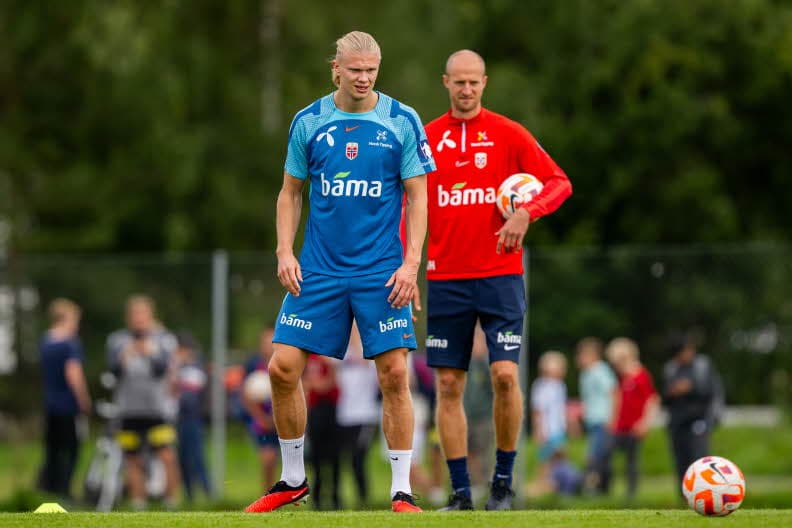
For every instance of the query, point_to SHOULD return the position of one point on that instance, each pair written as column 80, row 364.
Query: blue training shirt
column 58, row 396
column 355, row 163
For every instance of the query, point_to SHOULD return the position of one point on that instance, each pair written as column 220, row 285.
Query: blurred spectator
column 319, row 383
column 422, row 391
column 358, row 410
column 139, row 356
column 548, row 414
column 478, row 409
column 564, row 476
column 257, row 415
column 636, row 406
column 598, row 390
column 190, row 384
column 65, row 396
column 693, row 395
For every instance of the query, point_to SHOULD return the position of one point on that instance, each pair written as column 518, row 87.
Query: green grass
column 768, row 471
column 543, row 519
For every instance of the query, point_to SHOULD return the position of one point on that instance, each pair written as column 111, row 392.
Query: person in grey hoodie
column 139, row 356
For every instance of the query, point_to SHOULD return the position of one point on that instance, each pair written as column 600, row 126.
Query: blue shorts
column 264, row 439
column 453, row 307
column 319, row 320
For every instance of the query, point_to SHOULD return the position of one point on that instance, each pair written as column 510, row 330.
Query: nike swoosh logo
column 394, row 458
column 350, row 129
column 461, row 163
column 298, row 447
column 296, row 495
column 510, row 347
column 406, row 336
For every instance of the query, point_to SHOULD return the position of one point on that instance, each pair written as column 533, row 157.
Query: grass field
column 543, row 519
column 768, row 471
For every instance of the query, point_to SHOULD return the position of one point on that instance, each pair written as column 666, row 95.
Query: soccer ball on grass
column 713, row 486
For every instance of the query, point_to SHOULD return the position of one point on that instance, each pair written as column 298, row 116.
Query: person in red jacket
column 474, row 264
column 635, row 408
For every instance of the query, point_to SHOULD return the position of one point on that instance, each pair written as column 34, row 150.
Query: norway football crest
column 351, row 150
column 480, row 160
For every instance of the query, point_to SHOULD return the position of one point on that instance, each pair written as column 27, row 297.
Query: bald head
column 465, row 79
column 465, row 60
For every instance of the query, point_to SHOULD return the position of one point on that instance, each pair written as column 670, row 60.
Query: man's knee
column 450, row 384
column 393, row 377
column 284, row 373
column 505, row 377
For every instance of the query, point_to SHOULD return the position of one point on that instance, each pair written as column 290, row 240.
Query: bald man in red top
column 474, row 265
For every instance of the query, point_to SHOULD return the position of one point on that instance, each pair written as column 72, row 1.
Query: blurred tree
column 146, row 126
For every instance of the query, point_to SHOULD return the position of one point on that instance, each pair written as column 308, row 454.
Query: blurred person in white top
column 358, row 411
column 548, row 413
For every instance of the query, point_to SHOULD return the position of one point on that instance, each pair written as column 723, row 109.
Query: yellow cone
column 50, row 507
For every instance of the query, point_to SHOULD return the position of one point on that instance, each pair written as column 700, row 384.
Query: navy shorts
column 319, row 320
column 453, row 307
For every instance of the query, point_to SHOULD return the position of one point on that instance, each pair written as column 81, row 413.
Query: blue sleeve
column 416, row 153
column 297, row 152
column 75, row 351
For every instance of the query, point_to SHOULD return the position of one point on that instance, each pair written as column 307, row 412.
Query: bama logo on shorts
column 436, row 342
column 295, row 321
column 510, row 341
column 392, row 324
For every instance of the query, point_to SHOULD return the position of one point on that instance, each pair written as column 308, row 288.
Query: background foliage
column 131, row 125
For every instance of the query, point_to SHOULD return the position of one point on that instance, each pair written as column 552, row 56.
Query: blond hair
column 621, row 350
column 552, row 363
column 61, row 309
column 354, row 42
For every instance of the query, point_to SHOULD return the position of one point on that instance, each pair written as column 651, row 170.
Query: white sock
column 400, row 471
column 293, row 470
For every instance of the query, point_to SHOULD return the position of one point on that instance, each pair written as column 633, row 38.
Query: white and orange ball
column 516, row 190
column 714, row 486
column 257, row 386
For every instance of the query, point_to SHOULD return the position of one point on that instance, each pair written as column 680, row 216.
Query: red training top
column 322, row 387
column 473, row 157
column 634, row 391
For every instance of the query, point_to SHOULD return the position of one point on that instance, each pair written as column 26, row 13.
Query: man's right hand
column 290, row 273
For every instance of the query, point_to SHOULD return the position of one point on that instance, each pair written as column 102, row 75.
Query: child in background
column 548, row 415
column 190, row 382
column 636, row 407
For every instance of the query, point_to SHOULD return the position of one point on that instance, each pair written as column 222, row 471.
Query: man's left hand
column 510, row 236
column 405, row 286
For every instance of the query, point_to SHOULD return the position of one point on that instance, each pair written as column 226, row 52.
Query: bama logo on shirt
column 458, row 194
column 342, row 185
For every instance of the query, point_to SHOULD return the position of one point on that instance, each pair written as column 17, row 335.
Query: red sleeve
column 648, row 383
column 532, row 158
